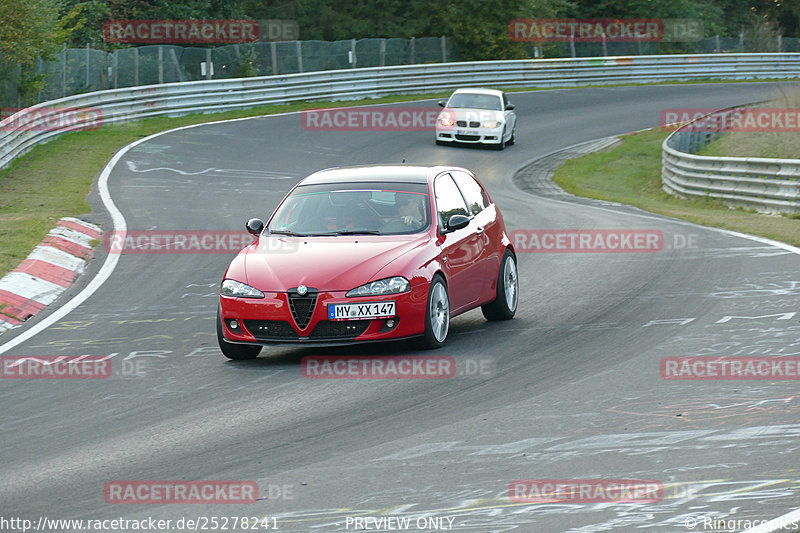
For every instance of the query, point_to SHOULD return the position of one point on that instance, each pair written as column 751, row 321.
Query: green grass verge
column 54, row 179
column 630, row 173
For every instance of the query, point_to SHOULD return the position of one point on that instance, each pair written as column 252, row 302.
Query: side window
column 476, row 197
column 448, row 199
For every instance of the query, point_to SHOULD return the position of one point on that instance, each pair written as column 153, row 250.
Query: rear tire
column 237, row 352
column 505, row 303
column 437, row 315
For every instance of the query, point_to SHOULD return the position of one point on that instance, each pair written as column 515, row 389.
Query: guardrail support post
column 135, row 66
column 64, row 70
column 39, row 71
column 413, row 50
column 299, row 45
column 353, row 52
column 160, row 64
column 444, row 49
column 382, row 62
column 274, row 53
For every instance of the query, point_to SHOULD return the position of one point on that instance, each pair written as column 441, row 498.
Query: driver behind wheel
column 411, row 210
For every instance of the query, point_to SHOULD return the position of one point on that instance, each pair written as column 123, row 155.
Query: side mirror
column 457, row 222
column 442, row 103
column 255, row 226
column 509, row 106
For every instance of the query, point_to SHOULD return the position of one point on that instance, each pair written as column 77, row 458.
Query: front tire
column 237, row 352
column 502, row 144
column 513, row 138
column 504, row 306
column 437, row 315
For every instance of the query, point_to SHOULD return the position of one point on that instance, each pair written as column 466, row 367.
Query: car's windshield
column 377, row 208
column 475, row 101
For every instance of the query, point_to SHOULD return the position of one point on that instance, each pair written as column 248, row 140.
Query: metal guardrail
column 767, row 185
column 174, row 99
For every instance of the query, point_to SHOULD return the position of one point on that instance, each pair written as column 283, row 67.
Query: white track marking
column 133, row 167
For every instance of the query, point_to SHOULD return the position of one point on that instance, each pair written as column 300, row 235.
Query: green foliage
column 709, row 11
column 29, row 29
column 84, row 21
column 247, row 65
column 481, row 28
column 37, row 28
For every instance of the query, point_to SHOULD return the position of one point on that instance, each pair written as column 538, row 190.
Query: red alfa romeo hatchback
column 369, row 253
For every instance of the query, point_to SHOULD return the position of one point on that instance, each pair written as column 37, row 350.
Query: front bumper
column 472, row 136
column 273, row 319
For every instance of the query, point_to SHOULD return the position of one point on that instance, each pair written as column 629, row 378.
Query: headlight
column 491, row 124
column 382, row 286
column 238, row 289
column 446, row 121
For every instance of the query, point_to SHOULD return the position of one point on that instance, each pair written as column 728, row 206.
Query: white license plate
column 467, row 132
column 361, row 310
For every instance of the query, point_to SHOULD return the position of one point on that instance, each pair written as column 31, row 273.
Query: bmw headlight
column 491, row 124
column 393, row 285
column 446, row 120
column 231, row 287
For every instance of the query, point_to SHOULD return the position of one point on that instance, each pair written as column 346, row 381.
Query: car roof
column 366, row 173
column 493, row 92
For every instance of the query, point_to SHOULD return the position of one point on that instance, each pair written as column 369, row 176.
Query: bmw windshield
column 475, row 101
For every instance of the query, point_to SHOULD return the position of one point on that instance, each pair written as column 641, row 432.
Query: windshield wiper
column 357, row 232
column 349, row 232
column 326, row 233
column 286, row 232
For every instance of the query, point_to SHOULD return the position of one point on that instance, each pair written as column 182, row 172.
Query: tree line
column 30, row 29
